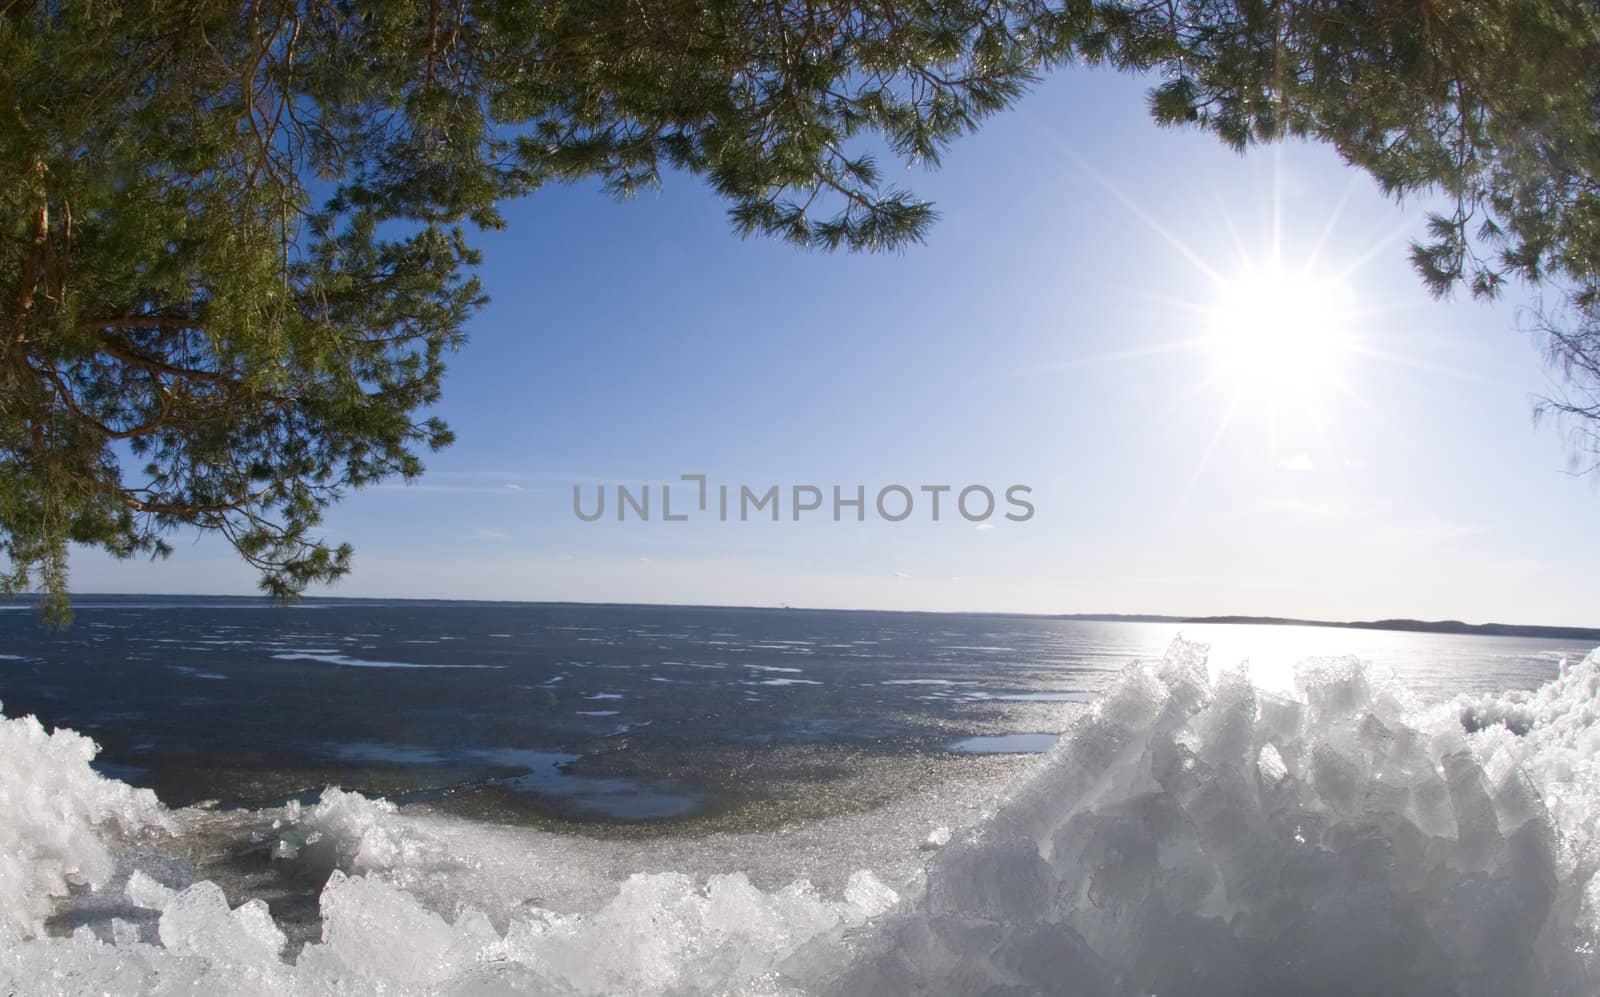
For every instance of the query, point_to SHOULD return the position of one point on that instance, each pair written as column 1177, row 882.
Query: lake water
column 643, row 800
column 613, row 713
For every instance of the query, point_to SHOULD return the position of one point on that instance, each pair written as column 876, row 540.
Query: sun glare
column 1277, row 340
column 1275, row 331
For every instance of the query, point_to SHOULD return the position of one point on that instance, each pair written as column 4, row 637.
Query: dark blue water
column 590, row 712
column 617, row 712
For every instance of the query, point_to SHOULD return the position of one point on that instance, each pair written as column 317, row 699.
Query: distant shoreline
column 1454, row 627
column 1422, row 626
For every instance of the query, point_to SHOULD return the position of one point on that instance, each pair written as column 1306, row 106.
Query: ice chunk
column 937, row 838
column 993, row 876
column 1334, row 687
column 1269, row 763
column 124, row 932
column 1202, row 838
column 378, row 932
column 143, row 891
column 199, row 921
column 1189, row 835
column 868, row 895
column 59, row 820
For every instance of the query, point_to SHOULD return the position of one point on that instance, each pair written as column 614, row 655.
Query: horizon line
column 1387, row 624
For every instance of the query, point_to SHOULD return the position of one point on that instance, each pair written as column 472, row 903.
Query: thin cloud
column 460, row 483
column 1299, row 462
column 488, row 475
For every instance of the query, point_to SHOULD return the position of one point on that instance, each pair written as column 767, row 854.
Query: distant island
column 1407, row 626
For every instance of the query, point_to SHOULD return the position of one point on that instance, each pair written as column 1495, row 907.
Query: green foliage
column 235, row 248
column 1494, row 103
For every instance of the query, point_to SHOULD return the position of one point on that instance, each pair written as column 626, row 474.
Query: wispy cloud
column 462, row 482
column 1299, row 462
column 486, row 534
column 985, row 526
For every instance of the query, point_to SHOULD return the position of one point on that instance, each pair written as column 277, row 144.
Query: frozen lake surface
column 602, row 713
column 630, row 800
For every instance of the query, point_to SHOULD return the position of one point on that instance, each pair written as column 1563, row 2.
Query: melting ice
column 1191, row 834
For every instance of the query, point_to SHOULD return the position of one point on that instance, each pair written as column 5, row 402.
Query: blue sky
column 1391, row 469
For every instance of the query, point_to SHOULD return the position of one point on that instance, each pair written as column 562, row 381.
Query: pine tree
column 237, row 244
column 1493, row 103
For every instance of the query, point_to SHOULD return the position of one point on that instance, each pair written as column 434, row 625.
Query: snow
column 1191, row 834
column 1196, row 835
column 58, row 821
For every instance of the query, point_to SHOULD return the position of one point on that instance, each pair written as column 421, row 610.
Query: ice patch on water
column 349, row 662
column 1191, row 834
column 198, row 673
column 541, row 772
column 1004, row 744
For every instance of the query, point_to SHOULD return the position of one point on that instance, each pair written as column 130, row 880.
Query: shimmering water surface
column 613, row 713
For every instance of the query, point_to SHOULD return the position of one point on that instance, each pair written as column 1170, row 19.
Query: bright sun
column 1276, row 339
column 1275, row 331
